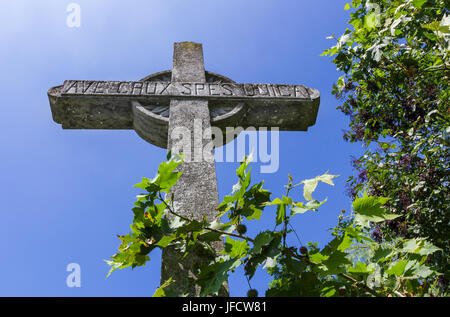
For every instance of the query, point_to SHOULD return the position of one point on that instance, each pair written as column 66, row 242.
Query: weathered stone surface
column 195, row 194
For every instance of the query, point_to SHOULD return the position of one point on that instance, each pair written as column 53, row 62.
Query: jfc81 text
column 245, row 307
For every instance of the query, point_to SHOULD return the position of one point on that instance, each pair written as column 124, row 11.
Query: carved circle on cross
column 151, row 119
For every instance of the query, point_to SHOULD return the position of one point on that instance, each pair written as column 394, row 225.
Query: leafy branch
column 296, row 271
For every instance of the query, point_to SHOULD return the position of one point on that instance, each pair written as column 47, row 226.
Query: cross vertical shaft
column 195, row 195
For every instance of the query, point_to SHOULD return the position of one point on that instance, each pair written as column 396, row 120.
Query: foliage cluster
column 351, row 264
column 395, row 63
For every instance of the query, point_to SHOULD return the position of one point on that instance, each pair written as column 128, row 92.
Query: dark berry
column 241, row 229
column 303, row 250
column 342, row 291
column 252, row 293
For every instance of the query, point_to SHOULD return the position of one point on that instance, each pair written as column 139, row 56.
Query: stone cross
column 190, row 97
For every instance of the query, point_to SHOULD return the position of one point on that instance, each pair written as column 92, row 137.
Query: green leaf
column 370, row 209
column 309, row 185
column 114, row 266
column 144, row 184
column 328, row 291
column 382, row 254
column 428, row 248
column 276, row 201
column 212, row 277
column 347, row 6
column 260, row 240
column 318, row 257
column 434, row 26
column 397, row 268
column 298, row 209
column 414, row 269
column 312, row 205
column 252, row 213
column 370, row 21
column 272, row 260
column 341, row 83
column 345, row 244
column 281, row 213
column 160, row 290
column 235, row 248
column 240, row 172
column 335, row 262
column 360, row 268
column 419, row 3
column 176, row 222
column 167, row 175
column 419, row 246
column 166, row 240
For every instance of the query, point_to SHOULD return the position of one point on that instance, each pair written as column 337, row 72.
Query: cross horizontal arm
column 82, row 104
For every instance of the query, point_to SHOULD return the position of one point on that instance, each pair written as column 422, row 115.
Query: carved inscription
column 185, row 89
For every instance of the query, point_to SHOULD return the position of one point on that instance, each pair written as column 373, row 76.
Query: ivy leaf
column 309, row 187
column 314, row 204
column 328, row 291
column 254, row 200
column 370, row 21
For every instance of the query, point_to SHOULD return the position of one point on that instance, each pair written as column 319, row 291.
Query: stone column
column 195, row 195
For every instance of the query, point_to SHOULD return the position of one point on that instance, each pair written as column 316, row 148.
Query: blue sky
column 65, row 194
